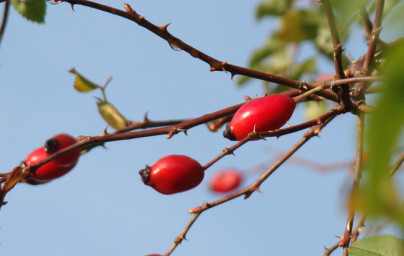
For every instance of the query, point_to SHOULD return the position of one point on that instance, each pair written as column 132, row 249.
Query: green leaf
column 385, row 128
column 111, row 115
column 300, row 25
column 381, row 245
column 323, row 41
column 313, row 109
column 273, row 7
column 32, row 10
column 82, row 84
column 272, row 46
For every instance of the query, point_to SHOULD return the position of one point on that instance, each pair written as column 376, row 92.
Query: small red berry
column 173, row 174
column 262, row 114
column 225, row 180
column 60, row 165
column 59, row 142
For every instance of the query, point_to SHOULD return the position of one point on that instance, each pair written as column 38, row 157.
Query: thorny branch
column 215, row 65
column 253, row 187
column 345, row 240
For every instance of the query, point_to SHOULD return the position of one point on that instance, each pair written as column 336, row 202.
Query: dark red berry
column 173, row 174
column 262, row 114
column 225, row 180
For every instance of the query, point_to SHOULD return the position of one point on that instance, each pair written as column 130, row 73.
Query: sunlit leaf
column 381, row 245
column 33, row 10
column 111, row 115
column 273, row 7
column 81, row 83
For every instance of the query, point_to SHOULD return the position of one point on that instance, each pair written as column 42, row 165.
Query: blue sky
column 102, row 207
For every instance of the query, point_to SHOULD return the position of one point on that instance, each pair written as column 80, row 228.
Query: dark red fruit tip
column 51, row 146
column 145, row 175
column 227, row 133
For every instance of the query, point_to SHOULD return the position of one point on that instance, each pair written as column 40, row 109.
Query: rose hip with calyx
column 173, row 174
column 260, row 115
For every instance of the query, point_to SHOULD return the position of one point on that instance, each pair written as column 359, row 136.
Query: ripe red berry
column 225, row 180
column 173, row 174
column 262, row 114
column 60, row 165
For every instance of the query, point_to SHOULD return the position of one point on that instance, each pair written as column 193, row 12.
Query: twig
column 373, row 42
column 215, row 65
column 355, row 234
column 247, row 192
column 335, row 39
column 345, row 240
column 360, row 224
column 181, row 236
column 4, row 19
column 397, row 164
column 343, row 90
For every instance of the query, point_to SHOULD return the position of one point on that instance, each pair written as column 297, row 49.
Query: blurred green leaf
column 346, row 12
column 32, row 10
column 308, row 66
column 323, row 41
column 313, row 109
column 385, row 127
column 394, row 22
column 273, row 7
column 273, row 45
column 111, row 115
column 381, row 245
column 81, row 83
column 299, row 25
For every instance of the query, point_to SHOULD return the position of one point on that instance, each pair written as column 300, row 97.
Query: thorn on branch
column 174, row 131
column 164, row 27
column 129, row 9
column 228, row 151
column 219, row 67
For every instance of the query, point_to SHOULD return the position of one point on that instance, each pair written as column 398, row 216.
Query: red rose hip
column 173, row 174
column 225, row 180
column 262, row 114
column 58, row 166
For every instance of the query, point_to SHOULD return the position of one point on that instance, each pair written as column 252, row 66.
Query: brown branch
column 354, row 236
column 215, row 65
column 355, row 233
column 342, row 90
column 4, row 19
column 346, row 238
column 181, row 236
column 335, row 39
column 197, row 211
column 374, row 41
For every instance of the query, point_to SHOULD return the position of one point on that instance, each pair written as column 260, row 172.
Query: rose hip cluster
column 178, row 173
column 57, row 167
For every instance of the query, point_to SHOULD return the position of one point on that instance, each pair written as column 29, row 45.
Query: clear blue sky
column 102, row 207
